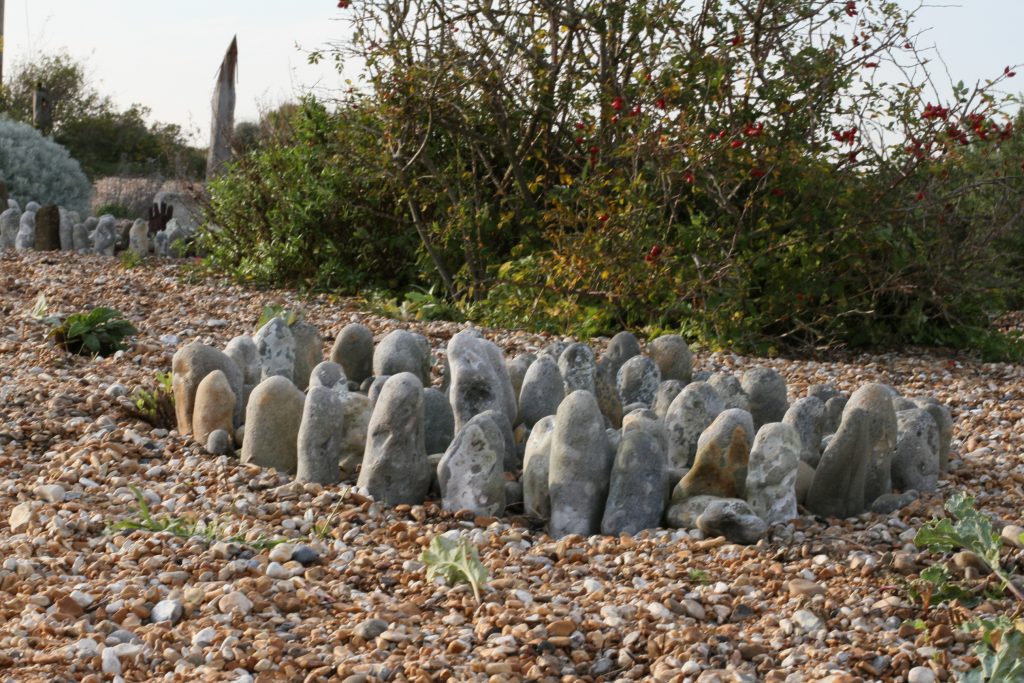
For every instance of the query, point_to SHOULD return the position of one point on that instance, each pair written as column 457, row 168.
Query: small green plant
column 100, row 331
column 322, row 529
column 457, row 561
column 1000, row 651
column 699, row 576
column 272, row 311
column 157, row 406
column 934, row 586
column 130, row 259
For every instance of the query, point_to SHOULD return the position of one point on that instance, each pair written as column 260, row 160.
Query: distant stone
column 621, row 348
column 104, row 236
column 376, row 386
column 555, row 349
column 320, row 437
column 20, row 518
column 190, row 364
column 944, row 421
column 823, row 392
column 353, row 351
column 915, row 464
column 80, row 238
column 215, row 406
column 804, row 479
column 275, row 346
column 541, row 392
column 394, row 468
column 730, row 391
column 607, row 393
column 403, row 351
column 834, row 408
column 772, row 472
column 47, row 236
column 51, row 493
column 10, row 221
column 689, row 414
column 649, row 422
column 636, row 495
column 471, row 472
column 354, row 427
column 67, row 229
column 807, row 417
column 577, row 367
column 26, row 237
column 272, row 421
column 517, row 368
column 330, row 375
column 242, row 351
column 637, row 381
column 766, row 393
column 309, row 352
column 888, row 503
column 536, row 468
column 734, row 519
column 479, row 379
column 579, row 467
column 439, row 420
column 667, row 392
column 138, row 238
column 673, row 356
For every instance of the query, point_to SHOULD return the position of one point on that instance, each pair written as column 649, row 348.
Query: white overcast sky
column 165, row 54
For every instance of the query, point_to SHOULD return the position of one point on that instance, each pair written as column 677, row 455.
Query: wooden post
column 223, row 124
column 1, row 43
column 42, row 110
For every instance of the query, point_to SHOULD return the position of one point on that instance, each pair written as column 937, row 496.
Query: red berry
column 688, row 177
column 736, row 144
column 618, row 103
column 851, row 8
column 635, row 111
column 343, row 4
column 580, row 125
column 660, row 103
column 759, row 173
column 603, row 218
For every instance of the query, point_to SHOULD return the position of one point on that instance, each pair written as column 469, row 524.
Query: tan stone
column 215, row 406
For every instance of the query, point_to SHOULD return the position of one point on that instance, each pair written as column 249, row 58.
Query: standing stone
column 537, row 466
column 667, row 392
column 834, row 408
column 353, row 351
column 355, row 424
column 10, row 221
column 517, row 368
column 104, row 236
column 577, row 367
column 330, row 375
column 161, row 244
column 607, row 394
column 636, row 495
column 272, row 421
column 555, row 349
column 766, row 392
column 807, row 417
column 915, row 465
column 320, row 437
column 276, row 348
column 403, row 351
column 732, row 518
column 309, row 351
column 673, row 356
column 122, row 233
column 191, row 363
column 67, row 229
column 637, row 381
column 647, row 421
column 844, row 481
column 480, row 380
column 579, row 468
column 395, row 469
column 823, row 392
column 729, row 390
column 621, row 348
column 944, row 421
column 138, row 238
column 47, row 237
column 242, row 351
column 723, row 452
column 375, row 387
column 690, row 413
column 772, row 470
column 215, row 406
column 513, row 460
column 80, row 238
column 542, row 391
column 439, row 421
column 471, row 472
column 26, row 237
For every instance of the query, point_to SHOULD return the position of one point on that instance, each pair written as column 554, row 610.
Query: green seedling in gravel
column 934, row 586
column 130, row 259
column 157, row 406
column 699, row 576
column 457, row 561
column 100, row 331
column 1000, row 652
column 278, row 311
column 323, row 528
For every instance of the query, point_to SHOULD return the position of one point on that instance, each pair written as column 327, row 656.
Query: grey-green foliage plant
column 100, row 331
column 457, row 560
column 1000, row 651
column 36, row 168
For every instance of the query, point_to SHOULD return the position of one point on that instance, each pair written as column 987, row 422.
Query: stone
column 305, row 555
column 856, row 463
column 621, row 348
column 330, row 375
column 805, row 588
column 309, row 352
column 772, row 471
column 471, row 472
column 235, row 602
column 607, row 394
column 673, row 357
column 723, row 452
column 353, row 351
column 513, row 493
column 80, row 238
column 921, row 674
column 667, row 392
column 648, row 421
column 104, row 235
column 395, row 469
column 167, row 610
column 10, row 222
column 915, row 464
column 888, row 503
column 683, row 514
column 804, row 479
column 944, row 421
column 403, row 351
column 20, row 518
column 555, row 349
column 275, row 346
column 576, row 364
column 834, row 408
column 272, row 421
column 730, row 391
column 190, row 364
column 807, row 417
column 218, row 443
column 354, row 426
column 1013, row 535
column 479, row 379
column 320, row 437
column 541, row 392
column 26, row 237
column 537, row 466
column 369, row 629
column 242, row 351
column 439, row 420
column 68, row 219
column 51, row 493
column 376, row 386
column 823, row 392
column 579, row 467
column 214, row 406
column 138, row 238
column 47, row 235
column 766, row 393
column 513, row 455
column 517, row 368
column 110, row 663
column 636, row 494
column 637, row 381
column 734, row 519
column 689, row 414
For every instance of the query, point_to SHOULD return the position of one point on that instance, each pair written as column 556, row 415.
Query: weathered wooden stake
column 223, row 124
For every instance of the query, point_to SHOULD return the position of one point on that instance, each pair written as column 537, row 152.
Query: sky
column 165, row 55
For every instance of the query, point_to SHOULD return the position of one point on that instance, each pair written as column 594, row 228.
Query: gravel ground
column 347, row 599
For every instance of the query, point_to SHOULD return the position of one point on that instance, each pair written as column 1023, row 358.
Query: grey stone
column 944, row 421
column 10, row 221
column 369, row 629
column 915, row 464
column 104, row 236
column 190, row 364
column 167, row 610
column 309, row 352
column 637, row 381
column 320, row 437
column 823, row 392
column 730, row 391
column 888, row 503
column 807, row 416
column 542, row 391
column 32, row 207
column 353, row 351
column 621, row 348
column 513, row 493
column 215, row 404
column 517, row 368
column 673, row 356
column 187, row 211
column 439, row 420
column 646, row 420
column 305, row 555
column 607, row 393
column 275, row 347
column 536, row 468
column 804, row 479
column 857, row 460
column 636, row 494
column 733, row 519
column 395, row 469
column 834, row 408
column 690, row 413
column 766, row 392
column 242, row 351
column 80, row 238
column 471, row 472
column 138, row 238
column 684, row 514
column 272, row 421
column 47, row 235
column 723, row 452
column 479, row 379
column 26, row 237
column 555, row 349
column 577, row 367
column 579, row 468
column 329, row 374
column 67, row 229
column 354, row 426
column 218, row 443
column 403, row 351
column 91, row 223
column 667, row 392
column 772, row 471
column 513, row 455
column 376, row 386
column 900, row 403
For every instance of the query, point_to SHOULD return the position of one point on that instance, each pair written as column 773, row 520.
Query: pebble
column 235, row 601
column 805, row 588
column 921, row 674
column 51, row 493
column 167, row 610
column 370, row 628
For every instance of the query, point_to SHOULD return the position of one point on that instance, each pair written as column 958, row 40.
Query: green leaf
column 455, row 560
